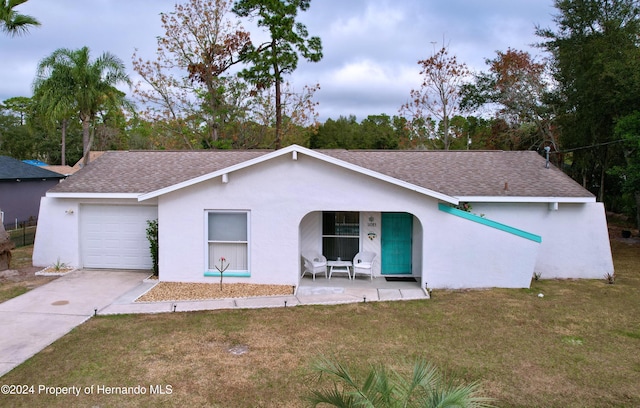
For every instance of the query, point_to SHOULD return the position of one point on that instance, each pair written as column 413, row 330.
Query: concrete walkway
column 33, row 321
column 320, row 292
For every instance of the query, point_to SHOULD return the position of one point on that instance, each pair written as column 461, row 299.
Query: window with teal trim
column 227, row 241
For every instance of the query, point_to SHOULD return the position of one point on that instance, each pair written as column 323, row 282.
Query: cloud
column 366, row 87
column 370, row 47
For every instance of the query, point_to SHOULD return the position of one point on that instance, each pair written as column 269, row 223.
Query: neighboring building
column 22, row 186
column 261, row 210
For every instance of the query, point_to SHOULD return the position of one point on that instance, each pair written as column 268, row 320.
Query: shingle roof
column 454, row 173
column 145, row 171
column 12, row 169
column 470, row 173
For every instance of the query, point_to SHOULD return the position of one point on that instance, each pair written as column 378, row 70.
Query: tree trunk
column 213, row 107
column 86, row 148
column 278, row 115
column 603, row 173
column 637, row 195
column 63, row 147
column 276, row 71
column 445, row 122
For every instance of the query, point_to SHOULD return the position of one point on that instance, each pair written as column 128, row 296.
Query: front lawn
column 21, row 278
column 575, row 347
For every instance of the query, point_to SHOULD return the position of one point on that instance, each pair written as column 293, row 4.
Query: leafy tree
column 438, row 98
column 628, row 129
column 298, row 115
column 336, row 134
column 518, row 85
column 90, row 85
column 56, row 102
column 425, row 387
column 373, row 132
column 12, row 22
column 186, row 81
column 377, row 132
column 20, row 106
column 110, row 128
column 595, row 57
column 25, row 132
column 16, row 139
column 272, row 60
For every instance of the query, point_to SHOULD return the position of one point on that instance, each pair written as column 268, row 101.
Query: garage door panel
column 115, row 236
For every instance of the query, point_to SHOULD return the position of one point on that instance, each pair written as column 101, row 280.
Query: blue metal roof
column 35, row 163
column 12, row 169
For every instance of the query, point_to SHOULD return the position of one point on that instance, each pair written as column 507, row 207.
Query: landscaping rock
column 168, row 291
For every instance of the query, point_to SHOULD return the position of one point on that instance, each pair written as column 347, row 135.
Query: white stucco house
column 261, row 210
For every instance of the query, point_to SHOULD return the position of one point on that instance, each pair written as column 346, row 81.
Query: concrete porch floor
column 341, row 288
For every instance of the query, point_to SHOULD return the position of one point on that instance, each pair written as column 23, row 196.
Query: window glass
column 227, row 226
column 227, row 239
column 340, row 235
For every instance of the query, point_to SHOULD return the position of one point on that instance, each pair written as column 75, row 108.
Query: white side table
column 340, row 267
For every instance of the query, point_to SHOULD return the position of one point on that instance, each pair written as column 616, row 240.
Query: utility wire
column 588, row 147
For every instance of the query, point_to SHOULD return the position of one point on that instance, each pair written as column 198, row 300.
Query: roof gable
column 12, row 169
column 294, row 150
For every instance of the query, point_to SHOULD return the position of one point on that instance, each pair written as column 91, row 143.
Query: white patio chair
column 363, row 264
column 314, row 263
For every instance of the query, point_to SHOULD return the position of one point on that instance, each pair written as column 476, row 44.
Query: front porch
column 340, row 289
column 394, row 239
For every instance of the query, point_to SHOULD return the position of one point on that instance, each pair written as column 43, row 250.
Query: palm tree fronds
column 425, row 388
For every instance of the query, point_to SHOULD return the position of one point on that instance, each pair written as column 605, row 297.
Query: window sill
column 230, row 274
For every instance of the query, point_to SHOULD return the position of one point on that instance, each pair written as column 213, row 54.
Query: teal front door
column 396, row 243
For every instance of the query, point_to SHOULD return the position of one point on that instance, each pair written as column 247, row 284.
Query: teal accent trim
column 489, row 223
column 231, row 274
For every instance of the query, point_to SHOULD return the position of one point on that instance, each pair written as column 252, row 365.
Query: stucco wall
column 282, row 195
column 575, row 239
column 371, row 222
column 285, row 198
column 278, row 194
column 58, row 232
column 465, row 254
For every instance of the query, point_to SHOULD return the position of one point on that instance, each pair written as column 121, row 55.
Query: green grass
column 575, row 347
column 21, row 257
column 9, row 291
column 13, row 286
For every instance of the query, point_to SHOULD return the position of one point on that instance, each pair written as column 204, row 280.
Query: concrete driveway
column 32, row 321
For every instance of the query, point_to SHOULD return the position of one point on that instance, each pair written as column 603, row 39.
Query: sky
column 370, row 47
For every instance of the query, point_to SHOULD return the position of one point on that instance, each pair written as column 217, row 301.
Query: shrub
column 152, row 236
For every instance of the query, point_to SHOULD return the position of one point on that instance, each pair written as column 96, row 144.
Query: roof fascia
column 521, row 199
column 94, row 195
column 310, row 153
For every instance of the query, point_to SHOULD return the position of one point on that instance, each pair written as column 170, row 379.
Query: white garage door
column 115, row 236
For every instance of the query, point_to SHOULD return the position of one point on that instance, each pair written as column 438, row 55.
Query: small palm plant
column 59, row 266
column 387, row 388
